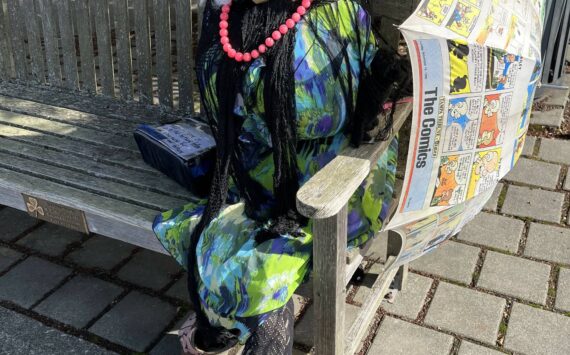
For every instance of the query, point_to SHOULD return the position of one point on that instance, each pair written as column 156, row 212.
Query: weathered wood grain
column 124, row 59
column 142, row 50
column 331, row 188
column 105, row 216
column 86, row 182
column 104, row 49
column 17, row 38
column 329, row 247
column 49, row 23
column 185, row 61
column 34, row 43
column 163, row 56
column 6, row 62
column 85, row 39
column 67, row 44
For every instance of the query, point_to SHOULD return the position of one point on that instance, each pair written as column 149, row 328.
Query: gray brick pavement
column 548, row 243
column 493, row 231
column 14, row 223
column 304, row 328
column 102, row 253
column 535, row 331
column 493, row 202
column 8, row 257
column 79, row 301
column 563, row 294
column 150, row 269
column 50, row 239
column 468, row 348
column 535, row 172
column 554, row 150
column 513, row 276
column 534, row 203
column 180, row 289
column 30, row 280
column 529, row 144
column 409, row 302
column 466, row 312
column 551, row 118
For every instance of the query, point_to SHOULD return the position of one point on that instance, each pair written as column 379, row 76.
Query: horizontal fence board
column 184, row 60
column 85, row 39
column 67, row 44
column 104, row 50
column 50, row 41
column 144, row 180
column 124, row 60
column 143, row 54
column 89, row 183
column 34, row 42
column 17, row 38
column 163, row 52
column 71, row 132
column 6, row 63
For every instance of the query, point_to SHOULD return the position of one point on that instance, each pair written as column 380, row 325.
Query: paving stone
column 548, row 243
column 50, row 239
column 399, row 337
column 535, row 172
column 551, row 118
column 170, row 343
column 101, row 253
column 14, row 223
column 367, row 282
column 529, row 144
column 468, row 348
column 30, row 280
column 8, row 257
column 536, row 331
column 567, row 182
column 466, row 312
column 180, row 289
column 150, row 269
column 79, row 301
column 506, row 232
column 452, row 260
column 493, row 202
column 534, row 203
column 554, row 96
column 563, row 290
column 135, row 322
column 517, row 277
column 555, row 150
column 410, row 300
column 28, row 336
column 304, row 328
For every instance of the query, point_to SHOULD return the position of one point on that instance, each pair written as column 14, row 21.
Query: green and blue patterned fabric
column 241, row 281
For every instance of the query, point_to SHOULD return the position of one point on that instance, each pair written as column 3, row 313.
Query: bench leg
column 329, row 289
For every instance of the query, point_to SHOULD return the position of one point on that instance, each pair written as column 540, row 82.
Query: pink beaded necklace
column 269, row 41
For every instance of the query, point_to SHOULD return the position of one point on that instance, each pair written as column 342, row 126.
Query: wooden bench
column 68, row 108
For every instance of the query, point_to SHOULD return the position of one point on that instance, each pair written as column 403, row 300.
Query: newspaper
column 476, row 65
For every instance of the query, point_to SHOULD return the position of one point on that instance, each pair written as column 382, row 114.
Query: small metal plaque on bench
column 64, row 216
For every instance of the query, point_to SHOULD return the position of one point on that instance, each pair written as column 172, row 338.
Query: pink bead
column 301, row 10
column 232, row 53
column 223, row 32
column 296, row 17
column 290, row 23
column 269, row 42
column 247, row 57
column 238, row 57
column 224, row 40
column 226, row 9
column 223, row 24
column 224, row 16
column 283, row 29
column 254, row 54
column 262, row 48
column 306, row 4
column 227, row 47
column 276, row 35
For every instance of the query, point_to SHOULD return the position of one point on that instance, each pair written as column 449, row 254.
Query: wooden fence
column 139, row 50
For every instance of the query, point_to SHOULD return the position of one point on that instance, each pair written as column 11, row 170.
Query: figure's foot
column 193, row 344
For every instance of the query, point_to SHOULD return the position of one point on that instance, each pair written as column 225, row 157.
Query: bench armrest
column 329, row 189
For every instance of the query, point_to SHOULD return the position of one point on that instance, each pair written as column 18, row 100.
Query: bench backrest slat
column 185, row 55
column 104, row 50
column 163, row 52
column 34, row 42
column 143, row 54
column 124, row 59
column 85, row 39
column 67, row 44
column 50, row 40
column 16, row 36
column 6, row 63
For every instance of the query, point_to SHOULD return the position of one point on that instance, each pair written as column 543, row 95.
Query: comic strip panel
column 463, row 18
column 452, row 176
column 462, row 124
column 494, row 120
column 447, row 225
column 502, row 69
column 435, row 10
column 495, row 30
column 466, row 67
column 485, row 171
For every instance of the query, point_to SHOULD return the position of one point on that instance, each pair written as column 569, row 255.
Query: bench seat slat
column 144, row 180
column 67, row 131
column 105, row 216
column 117, row 191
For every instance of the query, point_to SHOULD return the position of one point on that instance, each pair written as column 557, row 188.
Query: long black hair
column 249, row 24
